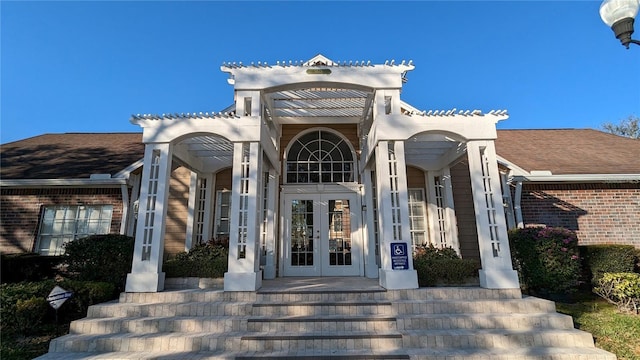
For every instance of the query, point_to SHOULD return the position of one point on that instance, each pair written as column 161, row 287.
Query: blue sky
column 87, row 66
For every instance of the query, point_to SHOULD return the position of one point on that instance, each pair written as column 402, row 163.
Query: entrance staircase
column 320, row 323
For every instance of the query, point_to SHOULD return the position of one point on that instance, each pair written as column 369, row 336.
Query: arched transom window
column 319, row 157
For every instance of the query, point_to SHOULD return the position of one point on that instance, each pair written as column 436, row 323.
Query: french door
column 321, row 235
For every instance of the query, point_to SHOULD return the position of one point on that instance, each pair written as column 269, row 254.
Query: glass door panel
column 319, row 235
column 302, row 231
column 339, row 249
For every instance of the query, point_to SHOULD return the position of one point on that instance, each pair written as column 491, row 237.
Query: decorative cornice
column 176, row 116
column 456, row 112
column 300, row 63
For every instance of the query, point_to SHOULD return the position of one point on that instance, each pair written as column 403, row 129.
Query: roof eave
column 35, row 183
column 579, row 178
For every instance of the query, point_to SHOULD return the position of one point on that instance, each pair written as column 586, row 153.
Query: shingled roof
column 569, row 151
column 70, row 155
column 78, row 155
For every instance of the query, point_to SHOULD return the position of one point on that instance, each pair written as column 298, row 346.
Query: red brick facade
column 21, row 210
column 599, row 213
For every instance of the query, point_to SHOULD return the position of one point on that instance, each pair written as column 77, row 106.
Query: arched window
column 319, row 157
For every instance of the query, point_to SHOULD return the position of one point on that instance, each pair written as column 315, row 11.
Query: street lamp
column 619, row 15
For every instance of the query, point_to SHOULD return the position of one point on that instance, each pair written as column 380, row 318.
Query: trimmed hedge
column 28, row 267
column 601, row 259
column 208, row 260
column 102, row 258
column 442, row 267
column 24, row 309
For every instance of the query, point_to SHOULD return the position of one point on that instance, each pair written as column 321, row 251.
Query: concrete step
column 304, row 324
column 328, row 354
column 505, row 306
column 147, row 325
column 324, row 340
column 142, row 355
column 424, row 324
column 190, row 295
column 528, row 353
column 171, row 342
column 206, row 295
column 347, row 308
column 215, row 308
column 484, row 321
column 496, row 338
column 229, row 355
column 532, row 353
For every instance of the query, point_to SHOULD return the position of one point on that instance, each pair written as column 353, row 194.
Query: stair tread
column 292, row 354
column 334, row 317
column 497, row 331
column 322, row 334
column 483, row 314
column 324, row 303
column 376, row 325
column 166, row 317
column 130, row 335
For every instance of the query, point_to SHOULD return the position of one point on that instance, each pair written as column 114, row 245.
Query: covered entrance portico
column 329, row 171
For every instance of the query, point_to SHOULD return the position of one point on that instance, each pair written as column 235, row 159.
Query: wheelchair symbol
column 398, row 249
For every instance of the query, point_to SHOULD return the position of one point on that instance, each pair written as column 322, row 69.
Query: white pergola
column 246, row 136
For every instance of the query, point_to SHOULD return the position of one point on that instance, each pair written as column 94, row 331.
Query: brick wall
column 21, row 209
column 599, row 213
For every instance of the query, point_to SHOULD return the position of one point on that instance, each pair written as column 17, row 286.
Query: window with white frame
column 320, row 157
column 61, row 224
column 417, row 221
column 223, row 207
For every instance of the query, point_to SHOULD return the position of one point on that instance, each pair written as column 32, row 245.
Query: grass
column 26, row 347
column 613, row 331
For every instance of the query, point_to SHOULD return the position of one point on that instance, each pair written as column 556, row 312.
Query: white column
column 124, row 190
column 146, row 271
column 432, row 208
column 209, row 189
column 272, row 226
column 507, row 201
column 517, row 206
column 497, row 270
column 244, row 258
column 369, row 231
column 192, row 208
column 200, row 209
column 134, row 180
column 393, row 214
column 449, row 208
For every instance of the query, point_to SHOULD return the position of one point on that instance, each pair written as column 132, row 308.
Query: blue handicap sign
column 399, row 256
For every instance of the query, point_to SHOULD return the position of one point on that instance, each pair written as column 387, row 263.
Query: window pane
column 61, row 224
column 316, row 156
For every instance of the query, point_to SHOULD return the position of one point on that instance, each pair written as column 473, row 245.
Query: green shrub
column 547, row 259
column 85, row 294
column 29, row 314
column 442, row 266
column 621, row 289
column 208, row 260
column 23, row 306
column 601, row 259
column 102, row 258
column 28, row 267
